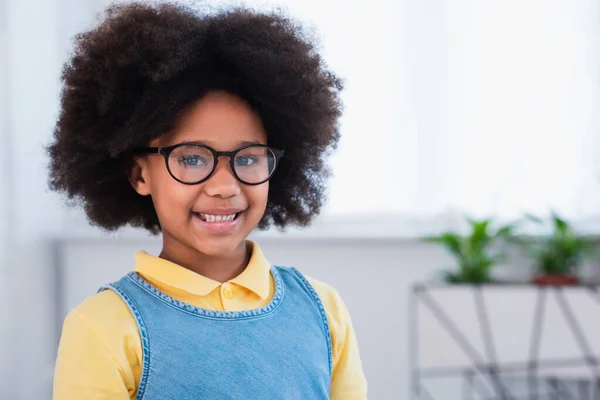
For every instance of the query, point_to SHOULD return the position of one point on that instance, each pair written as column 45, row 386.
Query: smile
column 217, row 218
column 224, row 222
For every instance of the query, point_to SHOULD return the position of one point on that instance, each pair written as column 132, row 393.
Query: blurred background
column 461, row 116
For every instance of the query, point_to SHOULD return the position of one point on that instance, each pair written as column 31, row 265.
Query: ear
column 138, row 175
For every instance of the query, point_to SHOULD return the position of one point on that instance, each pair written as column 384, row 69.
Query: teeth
column 217, row 218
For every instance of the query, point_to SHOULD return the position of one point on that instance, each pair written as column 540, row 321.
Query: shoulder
column 330, row 298
column 332, row 301
column 338, row 316
column 101, row 310
column 100, row 350
column 105, row 316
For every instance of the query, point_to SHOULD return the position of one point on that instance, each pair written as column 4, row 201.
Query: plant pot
column 555, row 280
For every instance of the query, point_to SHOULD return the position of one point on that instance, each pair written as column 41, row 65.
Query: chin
column 217, row 247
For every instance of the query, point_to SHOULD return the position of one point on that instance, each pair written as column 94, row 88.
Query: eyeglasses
column 193, row 163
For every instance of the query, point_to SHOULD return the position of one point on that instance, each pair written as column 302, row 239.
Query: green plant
column 561, row 252
column 477, row 252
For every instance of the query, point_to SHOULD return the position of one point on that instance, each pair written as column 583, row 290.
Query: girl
column 201, row 128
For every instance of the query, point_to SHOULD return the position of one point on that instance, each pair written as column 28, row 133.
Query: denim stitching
column 317, row 299
column 213, row 314
column 143, row 334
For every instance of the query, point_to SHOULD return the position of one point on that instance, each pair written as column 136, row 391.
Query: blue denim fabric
column 281, row 351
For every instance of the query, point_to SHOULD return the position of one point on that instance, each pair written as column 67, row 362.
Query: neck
column 221, row 268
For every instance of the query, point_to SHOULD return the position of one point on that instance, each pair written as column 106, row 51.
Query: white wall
column 33, row 61
column 5, row 220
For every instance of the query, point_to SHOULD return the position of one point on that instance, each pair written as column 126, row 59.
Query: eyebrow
column 202, row 142
column 244, row 143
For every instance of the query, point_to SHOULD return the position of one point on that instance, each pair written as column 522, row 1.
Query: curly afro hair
column 134, row 74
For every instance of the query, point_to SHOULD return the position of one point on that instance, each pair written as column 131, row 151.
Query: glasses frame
column 167, row 150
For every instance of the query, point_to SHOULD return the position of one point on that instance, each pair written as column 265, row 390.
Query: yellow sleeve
column 348, row 381
column 98, row 357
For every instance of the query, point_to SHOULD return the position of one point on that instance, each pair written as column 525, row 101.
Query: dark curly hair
column 134, row 74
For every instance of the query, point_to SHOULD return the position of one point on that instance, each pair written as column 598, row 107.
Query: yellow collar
column 256, row 277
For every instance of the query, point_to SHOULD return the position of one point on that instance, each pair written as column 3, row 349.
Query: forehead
column 220, row 120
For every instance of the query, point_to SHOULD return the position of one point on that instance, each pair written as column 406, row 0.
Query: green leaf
column 505, row 231
column 559, row 253
column 534, row 218
column 473, row 252
column 451, row 277
column 560, row 225
column 450, row 240
column 479, row 236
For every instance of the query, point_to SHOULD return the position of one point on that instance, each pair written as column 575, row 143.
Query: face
column 197, row 217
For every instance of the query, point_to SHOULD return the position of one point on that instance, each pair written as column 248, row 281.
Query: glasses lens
column 254, row 164
column 191, row 163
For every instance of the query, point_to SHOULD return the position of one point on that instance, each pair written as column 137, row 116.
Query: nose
column 223, row 182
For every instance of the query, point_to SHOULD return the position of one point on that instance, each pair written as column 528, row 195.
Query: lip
column 220, row 211
column 218, row 227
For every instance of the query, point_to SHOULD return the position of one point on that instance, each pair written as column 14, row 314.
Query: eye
column 192, row 161
column 245, row 161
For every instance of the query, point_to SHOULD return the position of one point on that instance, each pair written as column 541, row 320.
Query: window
column 519, row 109
column 469, row 106
column 483, row 107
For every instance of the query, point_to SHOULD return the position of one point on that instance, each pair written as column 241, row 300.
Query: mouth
column 217, row 218
column 218, row 222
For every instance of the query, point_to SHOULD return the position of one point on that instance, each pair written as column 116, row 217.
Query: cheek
column 172, row 200
column 257, row 197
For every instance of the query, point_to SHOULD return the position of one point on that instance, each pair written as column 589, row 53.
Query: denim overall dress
column 278, row 352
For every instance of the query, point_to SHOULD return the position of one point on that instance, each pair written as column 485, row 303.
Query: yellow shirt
column 100, row 352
